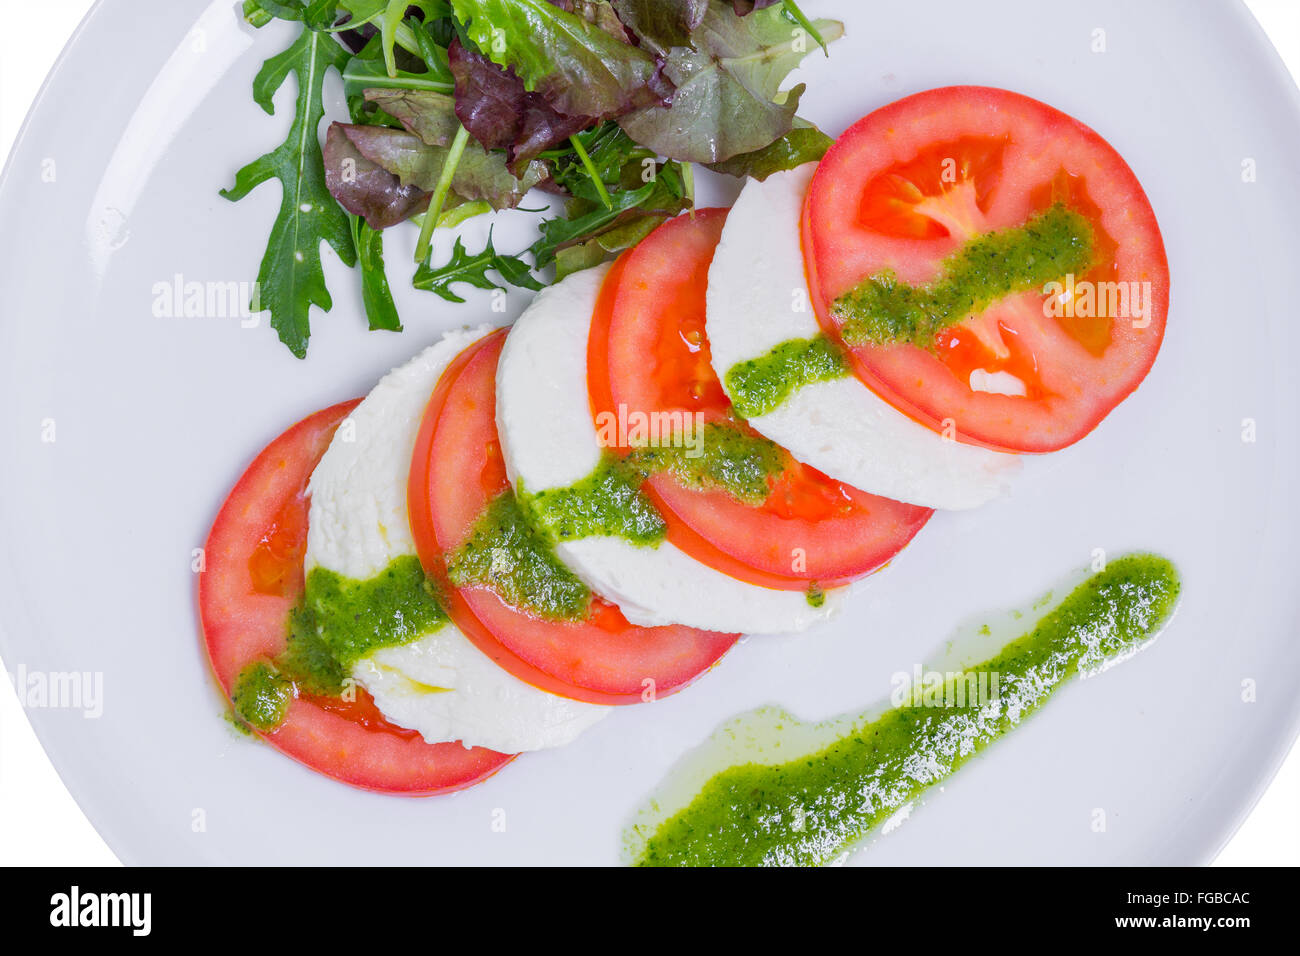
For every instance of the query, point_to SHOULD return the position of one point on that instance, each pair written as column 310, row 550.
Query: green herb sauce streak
column 338, row 621
column 884, row 311
column 810, row 810
column 609, row 502
column 511, row 548
column 506, row 553
column 758, row 386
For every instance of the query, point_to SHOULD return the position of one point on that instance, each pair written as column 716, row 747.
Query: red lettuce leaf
column 364, row 188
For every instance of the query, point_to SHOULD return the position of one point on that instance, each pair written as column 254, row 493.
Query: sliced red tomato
column 648, row 353
column 457, row 470
column 905, row 187
column 254, row 578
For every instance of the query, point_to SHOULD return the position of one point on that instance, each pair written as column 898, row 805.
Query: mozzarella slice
column 758, row 299
column 441, row 684
column 549, row 440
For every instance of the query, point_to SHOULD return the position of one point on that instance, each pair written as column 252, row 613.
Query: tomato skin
column 456, row 471
column 647, row 350
column 1020, row 154
column 244, row 617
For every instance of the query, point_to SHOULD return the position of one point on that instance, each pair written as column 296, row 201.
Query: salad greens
column 460, row 107
column 291, row 278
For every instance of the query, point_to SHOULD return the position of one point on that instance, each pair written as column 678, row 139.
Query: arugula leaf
column 662, row 197
column 609, row 151
column 592, row 252
column 291, row 278
column 376, row 295
column 803, row 144
column 316, row 14
column 579, row 68
column 728, row 99
column 473, row 270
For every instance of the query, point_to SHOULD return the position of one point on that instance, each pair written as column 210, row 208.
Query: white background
column 39, row 822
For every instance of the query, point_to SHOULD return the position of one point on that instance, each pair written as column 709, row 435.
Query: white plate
column 146, row 117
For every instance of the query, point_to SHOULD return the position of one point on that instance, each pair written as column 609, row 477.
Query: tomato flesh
column 648, row 352
column 456, row 472
column 910, row 184
column 252, row 581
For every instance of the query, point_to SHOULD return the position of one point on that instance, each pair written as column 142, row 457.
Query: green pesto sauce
column 609, row 502
column 340, row 621
column 261, row 696
column 506, row 553
column 810, row 810
column 606, row 503
column 729, row 459
column 337, row 622
column 883, row 311
column 758, row 386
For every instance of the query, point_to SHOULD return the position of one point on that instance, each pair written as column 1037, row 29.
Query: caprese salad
column 716, row 435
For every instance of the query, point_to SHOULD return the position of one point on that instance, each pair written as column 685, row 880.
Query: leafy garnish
column 579, row 68
column 474, row 269
column 362, row 74
column 429, row 115
column 462, row 106
column 621, row 193
column 728, row 99
column 381, row 310
column 661, row 25
column 291, row 278
column 478, row 175
column 803, row 144
column 365, row 188
column 590, row 253
column 656, row 197
column 497, row 109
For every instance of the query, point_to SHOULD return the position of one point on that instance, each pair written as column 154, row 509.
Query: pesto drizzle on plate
column 810, row 810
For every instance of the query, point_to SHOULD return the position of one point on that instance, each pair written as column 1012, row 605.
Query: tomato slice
column 909, row 184
column 457, row 470
column 254, row 578
column 647, row 352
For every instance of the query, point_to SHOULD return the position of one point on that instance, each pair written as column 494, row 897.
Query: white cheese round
column 440, row 685
column 549, row 441
column 758, row 299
